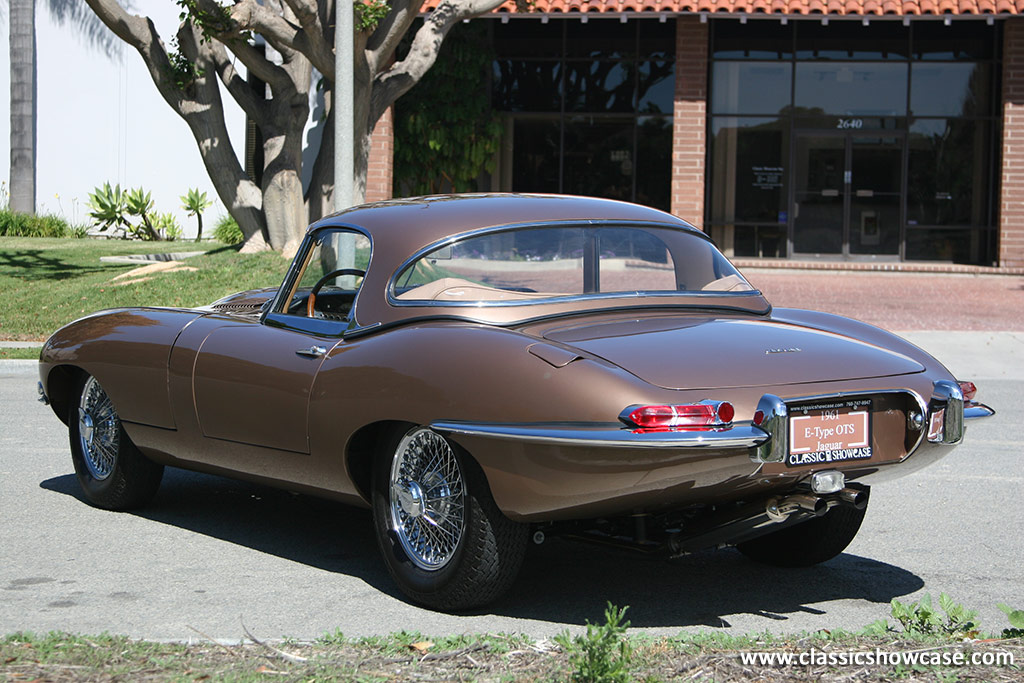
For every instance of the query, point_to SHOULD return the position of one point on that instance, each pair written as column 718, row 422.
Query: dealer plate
column 829, row 431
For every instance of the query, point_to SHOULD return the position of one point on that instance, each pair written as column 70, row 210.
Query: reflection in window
column 851, row 40
column 950, row 89
column 598, row 157
column 750, row 87
column 520, row 85
column 599, row 86
column 595, row 116
column 939, row 244
column 852, row 88
column 948, row 172
column 749, row 160
column 536, row 264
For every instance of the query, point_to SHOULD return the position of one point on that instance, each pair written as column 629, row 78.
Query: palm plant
column 195, row 202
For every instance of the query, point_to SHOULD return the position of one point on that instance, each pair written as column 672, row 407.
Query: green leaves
column 195, row 202
column 921, row 619
column 446, row 134
column 1016, row 616
column 109, row 206
column 603, row 655
column 369, row 14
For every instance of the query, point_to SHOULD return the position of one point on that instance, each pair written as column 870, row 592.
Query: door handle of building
column 312, row 352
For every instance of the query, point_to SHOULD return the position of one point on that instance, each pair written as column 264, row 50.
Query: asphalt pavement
column 211, row 554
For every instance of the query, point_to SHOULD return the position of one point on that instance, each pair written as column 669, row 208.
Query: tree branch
column 320, row 53
column 396, row 81
column 249, row 15
column 385, row 39
column 239, row 89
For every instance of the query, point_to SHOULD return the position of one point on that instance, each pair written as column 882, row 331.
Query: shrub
column 227, row 230
column 603, row 654
column 167, row 226
column 25, row 225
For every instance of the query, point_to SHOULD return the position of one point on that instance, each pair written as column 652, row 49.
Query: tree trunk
column 23, row 107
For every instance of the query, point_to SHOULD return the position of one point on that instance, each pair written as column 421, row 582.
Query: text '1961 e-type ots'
column 485, row 370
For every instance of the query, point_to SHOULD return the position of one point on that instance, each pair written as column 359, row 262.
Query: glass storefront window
column 948, row 172
column 750, row 87
column 535, row 148
column 593, row 116
column 939, row 244
column 753, row 40
column 599, row 86
column 964, row 40
column 599, row 40
column 656, row 85
column 843, row 40
column 529, row 39
column 961, row 89
column 749, row 159
column 598, row 157
column 654, row 163
column 521, row 85
column 851, row 88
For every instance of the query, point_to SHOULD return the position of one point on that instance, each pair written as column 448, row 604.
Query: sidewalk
column 900, row 301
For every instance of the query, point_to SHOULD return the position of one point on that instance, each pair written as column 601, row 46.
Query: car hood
column 725, row 353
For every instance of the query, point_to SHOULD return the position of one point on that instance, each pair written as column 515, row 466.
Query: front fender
column 126, row 350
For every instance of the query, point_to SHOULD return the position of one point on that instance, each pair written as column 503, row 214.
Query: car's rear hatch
column 710, row 352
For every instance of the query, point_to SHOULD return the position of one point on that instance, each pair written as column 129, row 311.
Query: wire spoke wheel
column 427, row 499
column 98, row 430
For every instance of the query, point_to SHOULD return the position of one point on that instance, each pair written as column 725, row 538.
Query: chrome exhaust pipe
column 779, row 510
column 858, row 498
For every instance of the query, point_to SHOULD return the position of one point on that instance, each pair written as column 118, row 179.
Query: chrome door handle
column 312, row 351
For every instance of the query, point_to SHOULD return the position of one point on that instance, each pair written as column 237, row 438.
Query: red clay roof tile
column 792, row 7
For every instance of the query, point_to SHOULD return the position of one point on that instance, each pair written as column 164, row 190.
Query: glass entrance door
column 847, row 194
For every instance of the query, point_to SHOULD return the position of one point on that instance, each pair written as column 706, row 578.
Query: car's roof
column 419, row 221
column 401, row 228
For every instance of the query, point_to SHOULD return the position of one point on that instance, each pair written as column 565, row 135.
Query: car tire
column 807, row 543
column 469, row 553
column 113, row 473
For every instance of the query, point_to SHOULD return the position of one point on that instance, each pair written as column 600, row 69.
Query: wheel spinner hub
column 427, row 499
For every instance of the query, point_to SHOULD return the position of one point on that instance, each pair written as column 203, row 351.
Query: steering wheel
column 311, row 301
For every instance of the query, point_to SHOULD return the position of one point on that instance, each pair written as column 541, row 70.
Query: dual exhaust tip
column 779, row 509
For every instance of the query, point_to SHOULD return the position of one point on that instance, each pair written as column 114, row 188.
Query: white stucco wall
column 100, row 119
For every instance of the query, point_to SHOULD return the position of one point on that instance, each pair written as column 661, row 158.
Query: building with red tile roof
column 873, row 131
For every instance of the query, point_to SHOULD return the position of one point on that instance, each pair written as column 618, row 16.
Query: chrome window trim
column 300, row 257
column 611, row 435
column 447, row 241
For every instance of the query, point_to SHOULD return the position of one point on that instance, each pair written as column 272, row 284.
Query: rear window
column 541, row 264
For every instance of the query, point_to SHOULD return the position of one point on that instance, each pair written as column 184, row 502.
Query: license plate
column 829, row 431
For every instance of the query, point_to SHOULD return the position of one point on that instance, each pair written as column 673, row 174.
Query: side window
column 331, row 275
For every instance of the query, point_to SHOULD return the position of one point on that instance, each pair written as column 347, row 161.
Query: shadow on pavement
column 561, row 581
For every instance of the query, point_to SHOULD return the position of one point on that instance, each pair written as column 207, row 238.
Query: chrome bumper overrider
column 739, row 435
column 42, row 394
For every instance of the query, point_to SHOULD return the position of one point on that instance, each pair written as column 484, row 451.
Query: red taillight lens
column 969, row 390
column 759, row 417
column 695, row 415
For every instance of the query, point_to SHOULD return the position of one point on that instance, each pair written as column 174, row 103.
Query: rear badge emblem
column 790, row 350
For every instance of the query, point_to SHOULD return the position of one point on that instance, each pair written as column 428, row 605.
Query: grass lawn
column 47, row 283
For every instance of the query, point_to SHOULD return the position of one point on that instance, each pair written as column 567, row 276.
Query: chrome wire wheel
column 98, row 430
column 427, row 499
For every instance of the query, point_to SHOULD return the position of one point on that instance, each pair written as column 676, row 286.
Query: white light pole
column 344, row 135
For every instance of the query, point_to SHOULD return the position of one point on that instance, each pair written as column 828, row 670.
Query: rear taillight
column 702, row 415
column 969, row 390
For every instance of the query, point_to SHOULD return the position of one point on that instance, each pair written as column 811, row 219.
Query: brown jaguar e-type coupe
column 487, row 370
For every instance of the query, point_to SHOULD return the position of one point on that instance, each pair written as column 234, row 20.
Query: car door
column 251, row 379
column 251, row 384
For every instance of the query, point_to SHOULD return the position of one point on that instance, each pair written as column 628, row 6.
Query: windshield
column 535, row 264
